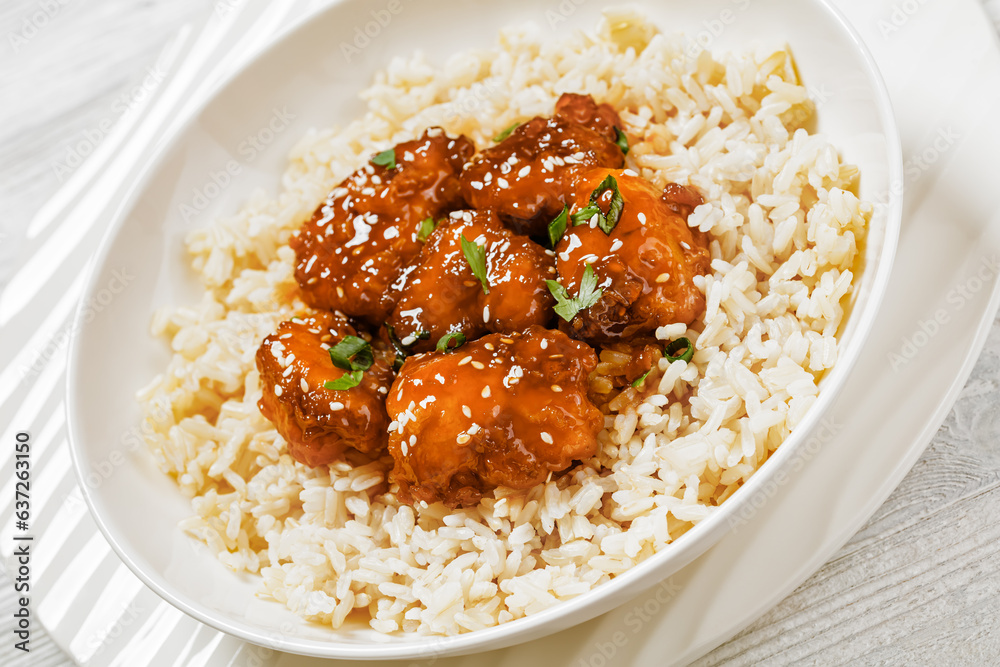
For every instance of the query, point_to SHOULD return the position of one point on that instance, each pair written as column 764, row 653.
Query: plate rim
column 587, row 605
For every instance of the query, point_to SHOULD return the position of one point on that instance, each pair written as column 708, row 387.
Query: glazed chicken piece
column 439, row 293
column 503, row 410
column 319, row 423
column 644, row 267
column 526, row 177
column 367, row 231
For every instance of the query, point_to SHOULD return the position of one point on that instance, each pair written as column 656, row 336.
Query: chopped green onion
column 402, row 351
column 676, row 346
column 506, row 133
column 606, row 221
column 583, row 216
column 351, row 346
column 475, row 255
column 558, row 226
column 426, row 228
column 621, row 140
column 567, row 307
column 639, row 381
column 386, row 158
column 445, row 341
column 348, row 380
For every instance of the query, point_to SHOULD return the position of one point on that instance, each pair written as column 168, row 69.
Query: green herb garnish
column 475, row 255
column 606, row 221
column 676, row 346
column 348, row 380
column 352, row 354
column 506, row 133
column 426, row 229
column 558, row 226
column 567, row 307
column 621, row 140
column 386, row 158
column 638, row 382
column 445, row 341
column 583, row 216
column 403, row 351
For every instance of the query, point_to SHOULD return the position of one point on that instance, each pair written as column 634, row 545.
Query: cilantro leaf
column 427, row 227
column 606, row 221
column 386, row 158
column 475, row 255
column 567, row 307
column 558, row 226
column 348, row 380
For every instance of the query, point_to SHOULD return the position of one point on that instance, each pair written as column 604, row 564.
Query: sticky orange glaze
column 365, row 233
column 440, row 294
column 319, row 423
column 645, row 267
column 526, row 177
column 503, row 410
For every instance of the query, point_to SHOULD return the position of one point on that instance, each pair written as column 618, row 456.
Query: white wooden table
column 919, row 584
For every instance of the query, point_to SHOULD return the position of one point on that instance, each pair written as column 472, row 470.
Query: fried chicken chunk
column 526, row 177
column 507, row 409
column 319, row 423
column 644, row 268
column 439, row 293
column 366, row 232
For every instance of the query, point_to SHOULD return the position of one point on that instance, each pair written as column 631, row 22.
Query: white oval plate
column 302, row 82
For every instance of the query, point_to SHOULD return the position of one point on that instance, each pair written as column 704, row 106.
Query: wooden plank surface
column 919, row 584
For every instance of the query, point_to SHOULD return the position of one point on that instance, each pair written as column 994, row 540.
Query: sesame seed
column 642, row 217
column 277, row 390
column 413, row 440
column 478, row 365
column 486, row 314
column 486, row 391
column 489, row 346
column 544, row 344
column 466, row 411
column 403, row 448
column 556, row 388
column 663, row 277
column 465, row 361
column 546, row 438
column 685, row 245
column 524, row 171
column 630, row 172
column 502, row 182
column 464, row 438
column 336, row 405
column 477, row 185
column 287, row 371
column 506, row 340
column 616, row 245
column 555, row 356
column 304, row 384
column 474, row 429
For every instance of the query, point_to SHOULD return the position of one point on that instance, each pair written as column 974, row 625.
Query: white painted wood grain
column 919, row 584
